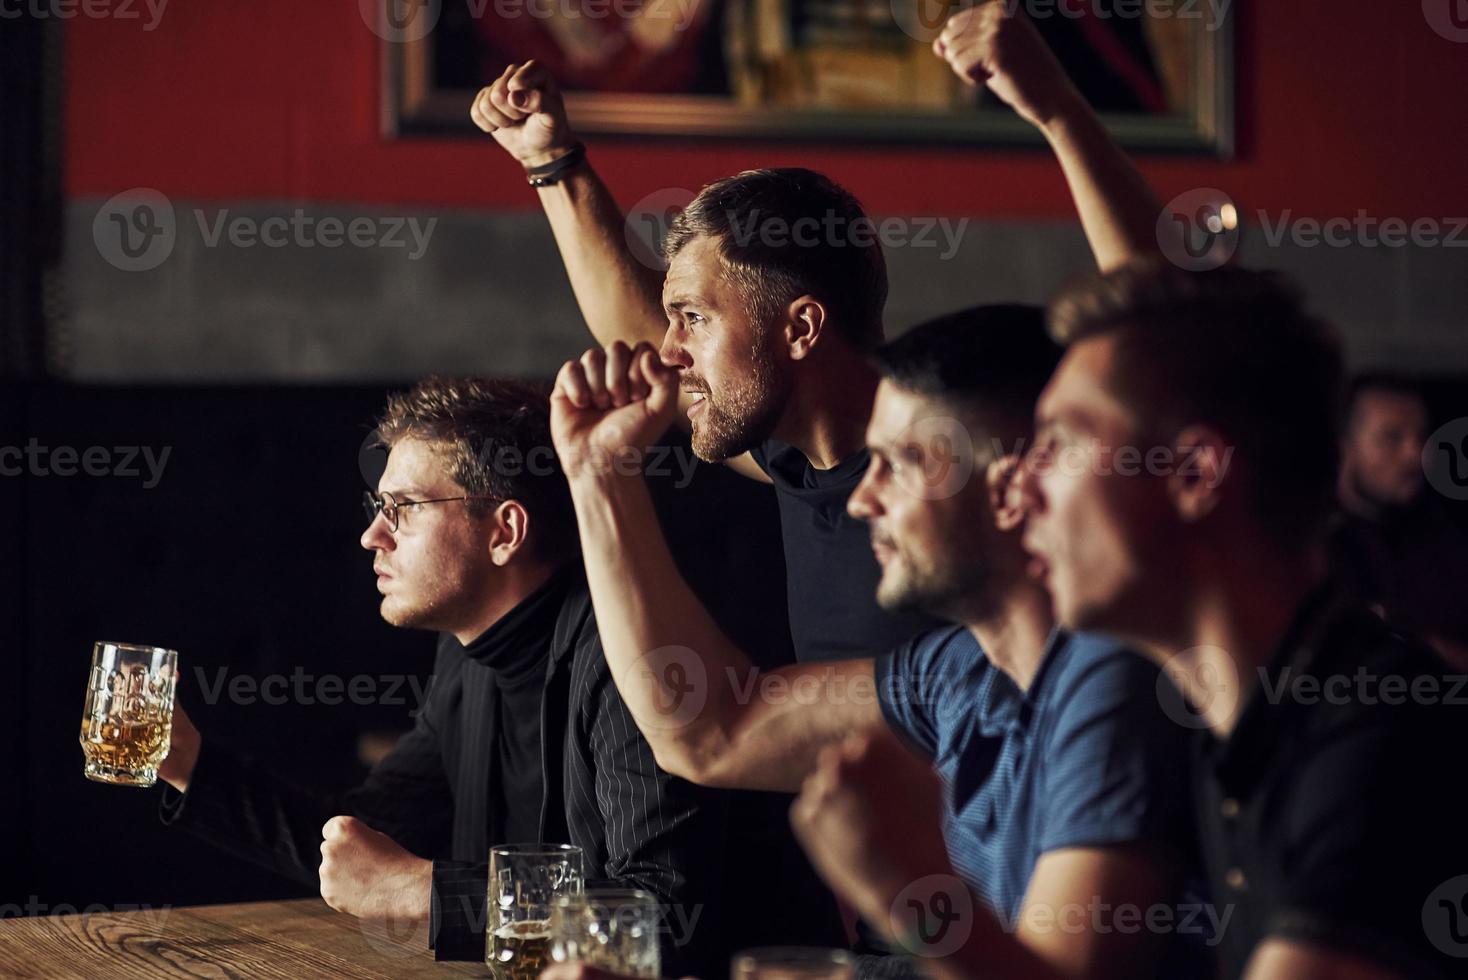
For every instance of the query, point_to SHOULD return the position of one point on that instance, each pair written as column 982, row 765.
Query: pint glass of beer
column 791, row 963
column 613, row 929
column 128, row 717
column 525, row 880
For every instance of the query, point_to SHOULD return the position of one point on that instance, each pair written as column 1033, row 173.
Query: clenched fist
column 991, row 45
column 870, row 816
column 609, row 406
column 523, row 111
column 367, row 874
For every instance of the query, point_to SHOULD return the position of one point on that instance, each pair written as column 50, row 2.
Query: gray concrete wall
column 487, row 293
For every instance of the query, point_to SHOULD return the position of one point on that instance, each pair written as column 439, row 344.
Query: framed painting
column 1159, row 71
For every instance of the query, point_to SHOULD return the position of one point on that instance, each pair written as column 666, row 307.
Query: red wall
column 1346, row 105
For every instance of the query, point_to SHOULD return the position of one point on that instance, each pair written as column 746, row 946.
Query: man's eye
column 694, row 317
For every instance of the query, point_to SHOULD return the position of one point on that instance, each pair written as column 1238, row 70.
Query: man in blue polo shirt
column 1060, row 787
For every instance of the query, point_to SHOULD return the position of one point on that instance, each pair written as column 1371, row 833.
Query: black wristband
column 551, row 173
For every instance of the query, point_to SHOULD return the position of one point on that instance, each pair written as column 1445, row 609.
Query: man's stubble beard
column 440, row 611
column 956, row 594
column 743, row 417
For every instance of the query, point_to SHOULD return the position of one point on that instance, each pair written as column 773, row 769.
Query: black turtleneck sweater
column 493, row 757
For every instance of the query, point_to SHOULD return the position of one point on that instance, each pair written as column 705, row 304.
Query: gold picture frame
column 865, row 79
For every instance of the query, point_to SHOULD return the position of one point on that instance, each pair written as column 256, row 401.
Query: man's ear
column 805, row 322
column 509, row 525
column 1006, row 499
column 1198, row 481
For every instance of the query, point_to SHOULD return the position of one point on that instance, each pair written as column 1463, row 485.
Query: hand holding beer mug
column 525, row 880
column 128, row 718
column 613, row 929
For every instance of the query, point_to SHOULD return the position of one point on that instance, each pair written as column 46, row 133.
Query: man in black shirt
column 1182, row 466
column 522, row 736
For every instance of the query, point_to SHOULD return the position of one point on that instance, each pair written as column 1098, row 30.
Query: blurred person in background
column 1393, row 543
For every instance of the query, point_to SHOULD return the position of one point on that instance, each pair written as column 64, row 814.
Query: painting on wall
column 1159, row 71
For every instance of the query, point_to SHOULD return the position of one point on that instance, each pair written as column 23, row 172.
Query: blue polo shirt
column 1087, row 757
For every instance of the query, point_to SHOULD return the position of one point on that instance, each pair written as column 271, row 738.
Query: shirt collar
column 1246, row 752
column 517, row 642
column 1009, row 709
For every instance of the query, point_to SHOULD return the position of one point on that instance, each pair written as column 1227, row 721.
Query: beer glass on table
column 613, row 929
column 525, row 880
column 128, row 718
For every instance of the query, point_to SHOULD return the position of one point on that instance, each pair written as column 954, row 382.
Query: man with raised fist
column 773, row 297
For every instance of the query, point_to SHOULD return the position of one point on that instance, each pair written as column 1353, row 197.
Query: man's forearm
column 697, row 698
column 988, row 951
column 643, row 605
column 1117, row 208
column 238, row 806
column 619, row 292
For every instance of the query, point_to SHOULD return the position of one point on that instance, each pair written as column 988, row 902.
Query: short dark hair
column 1388, row 382
column 992, row 361
column 495, row 437
column 847, row 273
column 1231, row 348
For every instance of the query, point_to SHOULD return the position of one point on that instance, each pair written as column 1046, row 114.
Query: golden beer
column 519, row 950
column 125, row 745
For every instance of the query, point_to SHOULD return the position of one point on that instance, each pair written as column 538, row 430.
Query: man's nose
column 672, row 352
column 377, row 537
column 863, row 504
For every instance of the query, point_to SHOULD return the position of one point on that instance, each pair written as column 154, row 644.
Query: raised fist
column 523, row 111
column 609, row 406
column 992, row 45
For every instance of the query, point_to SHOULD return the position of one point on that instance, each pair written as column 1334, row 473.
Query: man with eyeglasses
column 522, row 736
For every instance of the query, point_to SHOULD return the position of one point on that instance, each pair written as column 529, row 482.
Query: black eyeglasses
column 388, row 506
